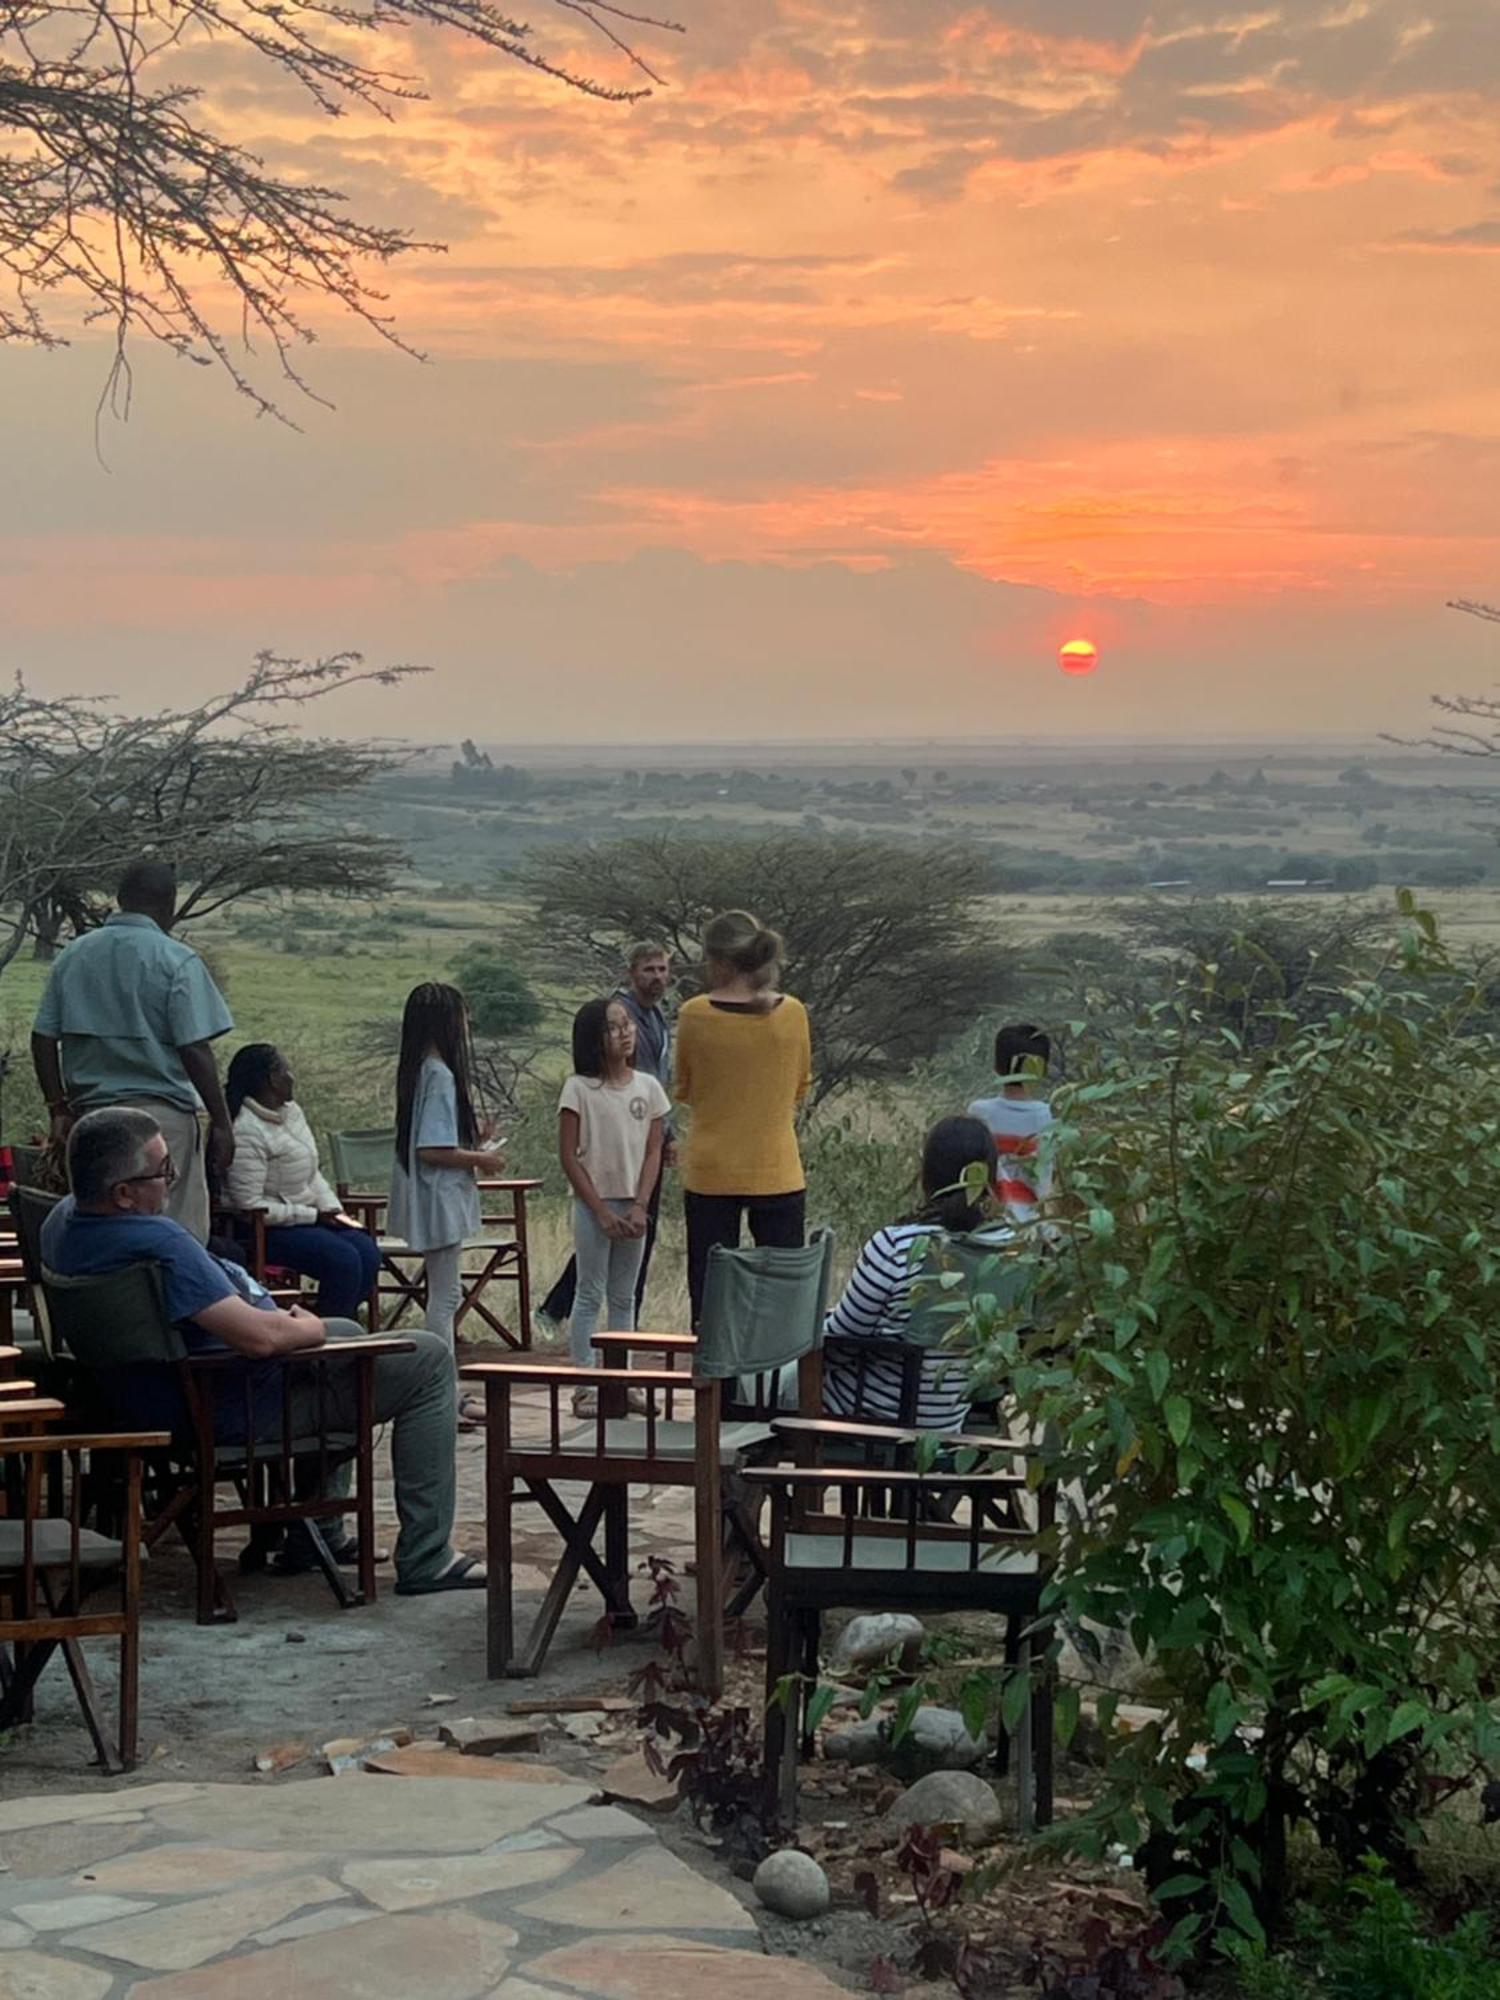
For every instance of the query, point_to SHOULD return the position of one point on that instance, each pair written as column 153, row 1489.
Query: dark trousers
column 558, row 1304
column 342, row 1261
column 777, row 1222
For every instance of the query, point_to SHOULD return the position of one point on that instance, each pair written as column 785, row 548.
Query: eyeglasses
column 622, row 1027
column 166, row 1172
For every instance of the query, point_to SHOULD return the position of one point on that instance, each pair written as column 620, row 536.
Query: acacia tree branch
column 113, row 188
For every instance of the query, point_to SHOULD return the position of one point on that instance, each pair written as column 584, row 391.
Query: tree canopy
column 117, row 195
column 229, row 791
column 888, row 944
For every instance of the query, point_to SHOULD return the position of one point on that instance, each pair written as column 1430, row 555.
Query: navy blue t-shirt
column 75, row 1245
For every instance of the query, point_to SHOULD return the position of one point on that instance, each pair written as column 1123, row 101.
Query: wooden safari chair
column 362, row 1166
column 51, row 1567
column 279, row 1473
column 904, row 1539
column 498, row 1255
column 762, row 1316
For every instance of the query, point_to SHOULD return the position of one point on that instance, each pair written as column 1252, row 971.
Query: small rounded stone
column 792, row 1885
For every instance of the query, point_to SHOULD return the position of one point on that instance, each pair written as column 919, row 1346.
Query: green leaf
column 1158, row 1372
column 1065, row 1714
column 1239, row 1514
column 1409, row 1716
column 1013, row 1700
column 1178, row 1886
column 1179, row 1415
column 1241, row 1910
column 818, row 1705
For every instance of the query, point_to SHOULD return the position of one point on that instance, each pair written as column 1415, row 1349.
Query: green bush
column 1381, row 1951
column 501, row 1001
column 1275, row 1399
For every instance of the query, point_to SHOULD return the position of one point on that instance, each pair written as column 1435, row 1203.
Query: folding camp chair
column 363, row 1163
column 904, row 1540
column 50, row 1564
column 280, row 1472
column 762, row 1315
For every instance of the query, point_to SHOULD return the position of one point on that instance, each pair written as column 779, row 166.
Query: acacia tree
column 116, row 192
column 888, row 943
column 229, row 791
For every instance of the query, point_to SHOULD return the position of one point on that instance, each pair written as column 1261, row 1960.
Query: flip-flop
column 463, row 1573
column 471, row 1413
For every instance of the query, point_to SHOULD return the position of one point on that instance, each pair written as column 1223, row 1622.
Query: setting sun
column 1078, row 656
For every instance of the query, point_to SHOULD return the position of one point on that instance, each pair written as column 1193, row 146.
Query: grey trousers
column 416, row 1394
column 187, row 1197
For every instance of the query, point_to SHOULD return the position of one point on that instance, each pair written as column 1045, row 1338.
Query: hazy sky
column 829, row 389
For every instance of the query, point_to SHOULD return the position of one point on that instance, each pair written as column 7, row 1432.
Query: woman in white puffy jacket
column 275, row 1170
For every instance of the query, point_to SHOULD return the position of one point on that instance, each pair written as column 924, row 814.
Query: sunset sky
column 825, row 392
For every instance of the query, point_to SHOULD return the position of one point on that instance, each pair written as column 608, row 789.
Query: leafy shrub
column 501, row 1001
column 1272, row 1381
column 1383, row 1952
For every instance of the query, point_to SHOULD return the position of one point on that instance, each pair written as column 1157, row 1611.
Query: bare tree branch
column 113, row 190
column 239, row 800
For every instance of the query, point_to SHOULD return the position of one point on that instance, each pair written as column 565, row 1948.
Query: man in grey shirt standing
column 129, row 1016
column 648, row 975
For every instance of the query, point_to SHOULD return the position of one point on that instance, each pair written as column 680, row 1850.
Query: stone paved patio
column 366, row 1888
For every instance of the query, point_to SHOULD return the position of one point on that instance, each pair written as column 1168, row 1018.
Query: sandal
column 463, row 1573
column 471, row 1413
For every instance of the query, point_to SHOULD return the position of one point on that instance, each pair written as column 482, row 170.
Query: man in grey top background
column 129, row 1016
column 648, row 975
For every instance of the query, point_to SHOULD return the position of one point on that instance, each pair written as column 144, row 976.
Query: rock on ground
column 792, row 1884
column 949, row 1798
column 866, row 1641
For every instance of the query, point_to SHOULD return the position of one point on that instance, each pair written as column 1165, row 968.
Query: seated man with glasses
column 120, row 1171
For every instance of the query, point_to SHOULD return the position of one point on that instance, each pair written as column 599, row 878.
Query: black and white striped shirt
column 877, row 1306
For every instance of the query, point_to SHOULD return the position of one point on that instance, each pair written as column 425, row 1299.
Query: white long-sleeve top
column 275, row 1166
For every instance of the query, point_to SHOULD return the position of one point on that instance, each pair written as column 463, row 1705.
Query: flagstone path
column 366, row 1888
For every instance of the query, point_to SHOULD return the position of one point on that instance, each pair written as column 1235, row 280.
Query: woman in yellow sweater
column 744, row 1064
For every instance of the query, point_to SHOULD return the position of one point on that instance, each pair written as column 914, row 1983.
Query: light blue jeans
column 608, row 1267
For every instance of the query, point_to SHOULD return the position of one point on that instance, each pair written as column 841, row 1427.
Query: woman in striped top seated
column 877, row 1299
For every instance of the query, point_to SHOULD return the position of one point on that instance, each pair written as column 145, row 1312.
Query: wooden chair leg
column 209, row 1612
column 364, row 1478
column 781, row 1709
column 622, row 1617
column 1044, row 1748
column 130, row 1637
column 500, row 1609
column 1026, row 1800
column 576, row 1550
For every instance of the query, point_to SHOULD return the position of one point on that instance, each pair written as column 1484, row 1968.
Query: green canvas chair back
column 29, row 1167
column 29, row 1210
column 115, row 1321
column 363, row 1161
column 762, row 1309
column 987, row 1265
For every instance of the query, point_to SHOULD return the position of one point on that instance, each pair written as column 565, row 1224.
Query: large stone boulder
column 792, row 1885
column 938, row 1740
column 868, row 1640
column 949, row 1798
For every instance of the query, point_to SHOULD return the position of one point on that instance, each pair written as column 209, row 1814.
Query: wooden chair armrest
column 845, row 1428
column 658, row 1343
column 539, row 1375
column 508, row 1186
column 89, row 1441
column 33, row 1409
column 19, row 1387
column 370, row 1203
column 317, row 1357
column 822, row 1476
column 9, row 1356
